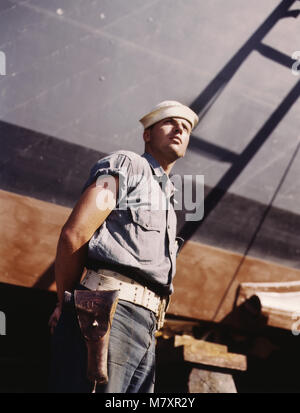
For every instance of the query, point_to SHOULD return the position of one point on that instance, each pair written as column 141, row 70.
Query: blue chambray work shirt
column 138, row 238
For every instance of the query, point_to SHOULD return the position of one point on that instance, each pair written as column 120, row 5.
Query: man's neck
column 164, row 163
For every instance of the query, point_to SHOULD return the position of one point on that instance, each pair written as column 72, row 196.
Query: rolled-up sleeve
column 115, row 164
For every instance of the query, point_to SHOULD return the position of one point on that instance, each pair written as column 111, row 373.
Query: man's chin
column 177, row 152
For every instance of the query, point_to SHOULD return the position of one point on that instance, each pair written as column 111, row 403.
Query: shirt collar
column 156, row 167
column 159, row 171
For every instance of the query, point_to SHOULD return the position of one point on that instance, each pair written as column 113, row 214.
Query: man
column 123, row 231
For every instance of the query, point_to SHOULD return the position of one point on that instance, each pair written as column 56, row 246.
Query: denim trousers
column 131, row 353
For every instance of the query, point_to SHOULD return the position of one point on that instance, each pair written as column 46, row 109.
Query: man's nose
column 178, row 127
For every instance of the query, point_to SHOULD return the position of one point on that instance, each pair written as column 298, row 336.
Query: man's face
column 169, row 138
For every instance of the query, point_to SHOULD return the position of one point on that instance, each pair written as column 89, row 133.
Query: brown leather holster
column 95, row 311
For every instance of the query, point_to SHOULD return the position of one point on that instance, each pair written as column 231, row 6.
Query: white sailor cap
column 169, row 109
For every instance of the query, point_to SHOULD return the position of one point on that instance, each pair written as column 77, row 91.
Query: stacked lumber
column 279, row 301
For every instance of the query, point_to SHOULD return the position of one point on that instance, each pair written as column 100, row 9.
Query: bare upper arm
column 93, row 207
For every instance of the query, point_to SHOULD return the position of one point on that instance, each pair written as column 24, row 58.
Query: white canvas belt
column 129, row 290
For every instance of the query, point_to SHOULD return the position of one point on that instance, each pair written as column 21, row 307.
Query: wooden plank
column 207, row 381
column 210, row 354
column 173, row 327
column 226, row 360
column 199, row 344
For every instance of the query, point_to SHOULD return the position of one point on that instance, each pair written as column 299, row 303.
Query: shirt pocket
column 148, row 237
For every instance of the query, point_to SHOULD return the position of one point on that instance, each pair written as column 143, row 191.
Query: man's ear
column 147, row 135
